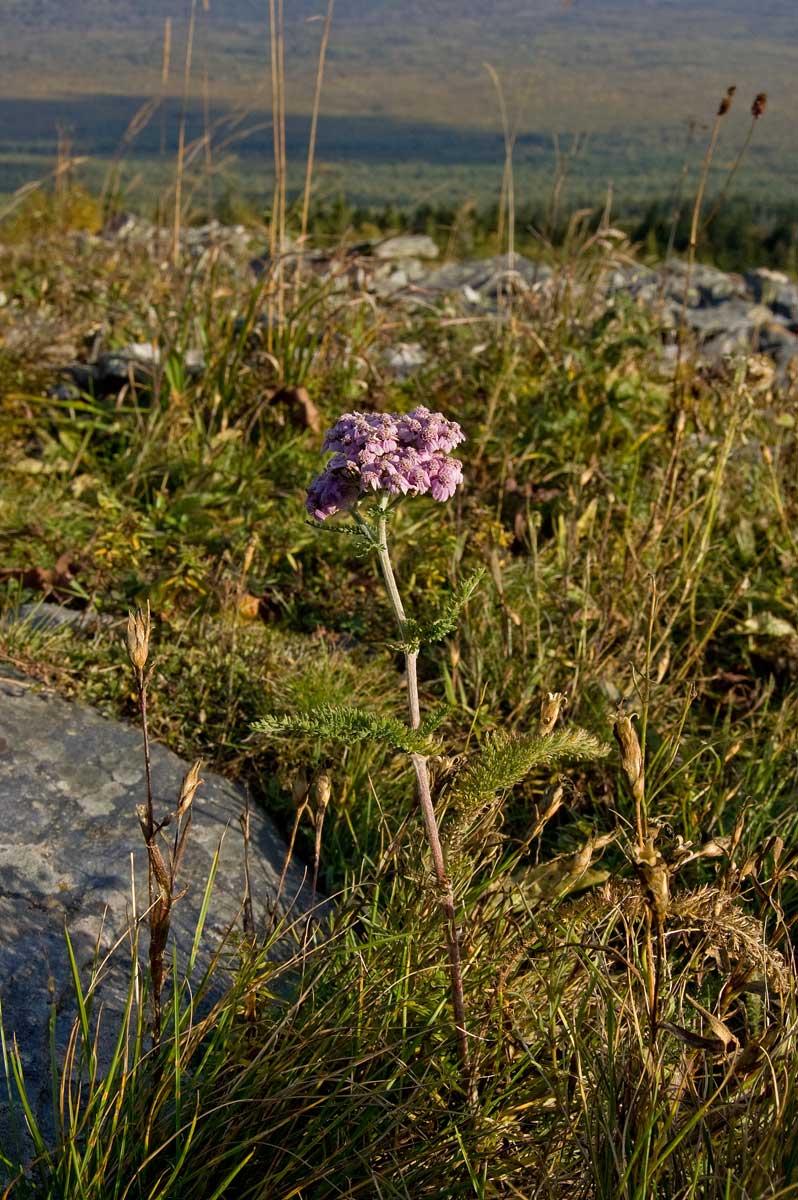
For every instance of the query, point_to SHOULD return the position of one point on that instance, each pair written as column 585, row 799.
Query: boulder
column 406, row 358
column 708, row 286
column 716, row 287
column 764, row 284
column 479, row 281
column 735, row 321
column 785, row 303
column 46, row 616
column 408, row 245
column 136, row 363
column 70, row 781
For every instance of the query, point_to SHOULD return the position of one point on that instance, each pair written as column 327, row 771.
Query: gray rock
column 136, row 363
column 635, row 279
column 785, row 303
column 409, row 245
column 391, row 276
column 406, row 358
column 735, row 340
column 70, row 781
column 716, row 287
column 708, row 286
column 386, row 284
column 47, row 616
column 734, row 320
column 64, row 391
column 481, row 280
column 148, row 354
column 785, row 355
column 764, row 284
column 674, row 285
column 773, row 336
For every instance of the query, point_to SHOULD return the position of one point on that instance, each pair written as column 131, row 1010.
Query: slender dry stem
column 162, row 873
column 663, row 504
column 507, row 199
column 300, row 791
column 181, row 137
column 277, row 227
column 314, row 119
column 322, row 797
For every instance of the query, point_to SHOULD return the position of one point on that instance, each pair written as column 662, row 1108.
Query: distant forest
column 738, row 236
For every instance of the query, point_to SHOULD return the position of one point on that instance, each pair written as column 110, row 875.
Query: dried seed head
column 139, row 628
column 299, row 788
column 631, row 754
column 726, row 102
column 191, row 782
column 550, row 708
column 321, row 792
column 653, row 871
column 759, row 105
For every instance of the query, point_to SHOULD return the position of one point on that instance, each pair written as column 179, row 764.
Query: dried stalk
column 181, row 137
column 162, row 872
column 314, row 119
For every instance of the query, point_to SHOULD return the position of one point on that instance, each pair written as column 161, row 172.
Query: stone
column 46, row 616
column 716, row 287
column 135, row 363
column 785, row 355
column 408, row 245
column 773, row 335
column 735, row 319
column 70, row 781
column 482, row 279
column 785, row 303
column 64, row 391
column 405, row 358
column 764, row 284
column 637, row 280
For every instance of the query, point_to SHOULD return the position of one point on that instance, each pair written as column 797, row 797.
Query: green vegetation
column 637, row 535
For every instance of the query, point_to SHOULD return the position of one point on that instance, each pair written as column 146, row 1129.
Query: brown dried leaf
column 249, row 606
column 300, row 408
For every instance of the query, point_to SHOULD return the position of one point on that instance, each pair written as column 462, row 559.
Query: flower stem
column 419, row 761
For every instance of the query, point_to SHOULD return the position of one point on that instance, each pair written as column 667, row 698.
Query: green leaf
column 445, row 623
column 341, row 722
column 434, row 720
column 505, row 760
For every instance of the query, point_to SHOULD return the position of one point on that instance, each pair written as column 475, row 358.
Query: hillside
column 628, row 72
column 546, row 968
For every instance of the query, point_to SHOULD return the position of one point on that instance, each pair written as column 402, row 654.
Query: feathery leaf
column 344, row 723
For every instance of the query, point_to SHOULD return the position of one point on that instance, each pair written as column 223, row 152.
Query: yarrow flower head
column 397, row 454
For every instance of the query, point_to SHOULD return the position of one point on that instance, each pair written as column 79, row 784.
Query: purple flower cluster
column 386, row 452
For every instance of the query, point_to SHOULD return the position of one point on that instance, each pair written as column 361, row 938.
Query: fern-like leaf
column 340, row 722
column 434, row 720
column 505, row 760
column 421, row 632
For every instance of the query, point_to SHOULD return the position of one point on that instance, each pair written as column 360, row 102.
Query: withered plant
column 162, row 870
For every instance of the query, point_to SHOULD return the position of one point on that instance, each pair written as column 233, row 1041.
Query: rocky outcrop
column 729, row 314
column 70, row 781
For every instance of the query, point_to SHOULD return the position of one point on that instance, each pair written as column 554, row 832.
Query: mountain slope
column 629, row 72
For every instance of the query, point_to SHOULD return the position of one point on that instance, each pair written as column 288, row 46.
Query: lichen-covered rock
column 70, row 781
